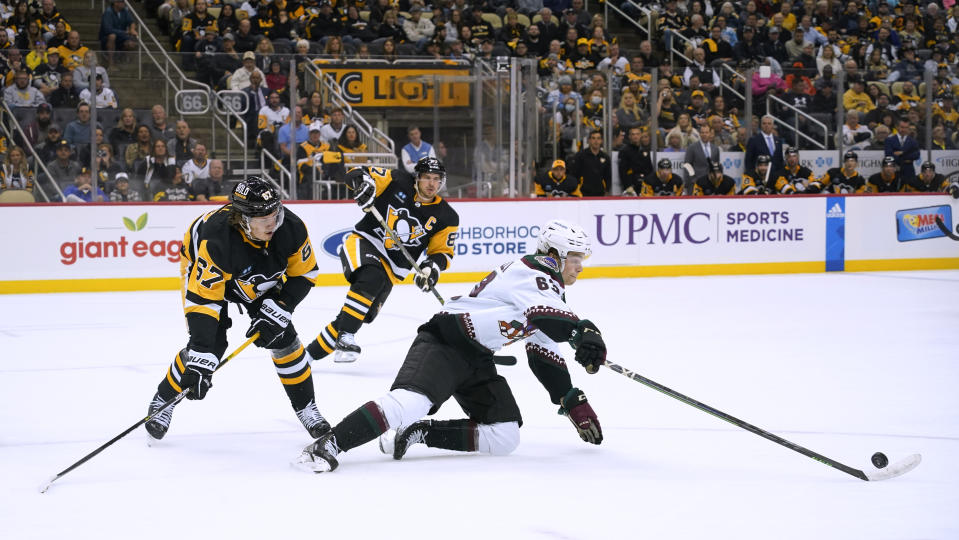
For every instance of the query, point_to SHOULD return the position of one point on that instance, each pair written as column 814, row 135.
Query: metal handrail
column 729, row 86
column 795, row 128
column 373, row 136
column 37, row 162
column 372, row 159
column 267, row 158
column 165, row 70
column 646, row 11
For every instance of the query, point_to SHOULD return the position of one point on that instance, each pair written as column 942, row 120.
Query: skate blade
column 307, row 462
column 344, row 357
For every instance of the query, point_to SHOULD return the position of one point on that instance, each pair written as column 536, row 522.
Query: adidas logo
column 835, row 211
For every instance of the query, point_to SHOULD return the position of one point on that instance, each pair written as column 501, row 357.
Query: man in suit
column 765, row 142
column 699, row 155
column 904, row 148
column 256, row 98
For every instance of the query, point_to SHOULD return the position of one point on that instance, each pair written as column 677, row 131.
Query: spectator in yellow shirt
column 856, row 98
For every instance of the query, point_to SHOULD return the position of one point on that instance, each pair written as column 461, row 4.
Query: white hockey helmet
column 564, row 237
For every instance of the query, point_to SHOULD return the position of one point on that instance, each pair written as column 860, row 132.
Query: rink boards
column 109, row 247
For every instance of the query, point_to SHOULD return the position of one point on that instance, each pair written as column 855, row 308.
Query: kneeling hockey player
column 452, row 356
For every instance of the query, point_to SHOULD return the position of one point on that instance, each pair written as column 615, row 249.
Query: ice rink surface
column 844, row 364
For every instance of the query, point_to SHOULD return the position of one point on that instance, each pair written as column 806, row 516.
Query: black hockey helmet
column 715, row 166
column 928, row 166
column 664, row 163
column 792, row 150
column 888, row 161
column 850, row 155
column 255, row 197
column 763, row 160
column 430, row 165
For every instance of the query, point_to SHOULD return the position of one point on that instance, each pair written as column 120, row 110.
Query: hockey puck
column 879, row 460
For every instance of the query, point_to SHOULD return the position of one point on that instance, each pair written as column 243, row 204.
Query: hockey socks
column 354, row 311
column 294, row 371
column 169, row 387
column 324, row 343
column 459, row 435
column 360, row 426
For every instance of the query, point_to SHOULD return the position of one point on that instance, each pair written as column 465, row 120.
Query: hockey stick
column 897, row 469
column 945, row 230
column 501, row 360
column 174, row 401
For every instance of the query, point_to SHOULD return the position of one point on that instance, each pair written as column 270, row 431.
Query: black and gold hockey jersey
column 938, row 184
column 547, row 185
column 423, row 227
column 785, row 180
column 220, row 264
column 705, row 186
column 837, row 180
column 878, row 184
column 653, row 186
column 755, row 184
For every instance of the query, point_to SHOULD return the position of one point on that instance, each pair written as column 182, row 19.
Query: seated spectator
column 241, row 77
column 882, row 133
column 73, row 53
column 313, row 109
column 197, row 166
column 245, row 38
column 81, row 190
column 324, row 23
column 349, row 143
column 227, row 62
column 63, row 169
column 78, row 131
column 83, row 150
column 65, row 96
column 105, row 97
column 21, row 94
column 276, row 79
column 310, row 157
column 173, row 190
column 160, row 128
column 47, row 75
column 47, row 148
column 194, row 27
column 855, row 136
column 122, row 192
column 332, row 131
column 29, row 32
column 81, row 74
column 418, row 29
column 140, row 148
column 685, row 129
column 182, row 144
column 118, row 32
column 16, row 173
column 856, row 98
column 37, row 129
column 212, row 187
column 124, row 133
column 227, row 21
column 299, row 132
column 158, row 165
column 674, row 143
column 107, row 167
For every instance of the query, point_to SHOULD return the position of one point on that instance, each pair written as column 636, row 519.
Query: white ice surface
column 844, row 364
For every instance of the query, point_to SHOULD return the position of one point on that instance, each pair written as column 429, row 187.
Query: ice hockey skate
column 159, row 424
column 320, row 456
column 313, row 421
column 414, row 433
column 346, row 348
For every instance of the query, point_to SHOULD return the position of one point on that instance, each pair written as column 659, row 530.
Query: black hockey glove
column 365, row 193
column 430, row 275
column 575, row 407
column 589, row 346
column 954, row 191
column 270, row 322
column 198, row 373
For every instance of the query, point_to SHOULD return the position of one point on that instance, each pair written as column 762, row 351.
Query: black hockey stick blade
column 504, row 360
column 945, row 230
column 896, row 469
column 46, row 485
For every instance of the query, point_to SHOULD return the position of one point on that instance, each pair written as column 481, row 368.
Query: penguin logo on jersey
column 515, row 331
column 252, row 287
column 407, row 227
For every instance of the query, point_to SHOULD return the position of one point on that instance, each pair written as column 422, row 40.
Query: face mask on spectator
column 595, row 100
column 570, row 107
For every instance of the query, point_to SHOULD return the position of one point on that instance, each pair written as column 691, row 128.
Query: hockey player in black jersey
column 452, row 356
column 845, row 179
column 663, row 182
column 257, row 254
column 887, row 180
column 755, row 181
column 793, row 178
column 372, row 264
column 929, row 182
column 714, row 182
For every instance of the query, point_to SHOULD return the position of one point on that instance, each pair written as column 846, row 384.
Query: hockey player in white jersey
column 452, row 356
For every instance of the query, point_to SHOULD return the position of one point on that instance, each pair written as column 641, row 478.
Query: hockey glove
column 429, row 276
column 365, row 193
column 575, row 407
column 198, row 371
column 954, row 191
column 589, row 346
column 270, row 322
